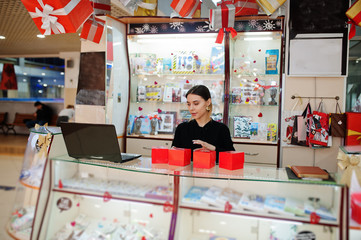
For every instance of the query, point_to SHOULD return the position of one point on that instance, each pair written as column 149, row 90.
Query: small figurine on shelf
column 154, row 124
column 273, row 94
column 138, row 125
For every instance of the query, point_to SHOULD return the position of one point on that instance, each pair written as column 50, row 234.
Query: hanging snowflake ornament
column 268, row 25
column 253, row 23
column 199, row 29
column 176, row 25
column 153, row 29
column 146, row 27
column 182, row 29
column 164, row 27
column 139, row 30
column 239, row 26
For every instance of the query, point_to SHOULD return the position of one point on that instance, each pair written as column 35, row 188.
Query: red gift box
column 354, row 14
column 93, row 30
column 179, row 156
column 159, row 155
column 356, row 207
column 204, row 158
column 246, row 7
column 353, row 132
column 101, row 7
column 231, row 160
column 222, row 16
column 62, row 16
column 185, row 8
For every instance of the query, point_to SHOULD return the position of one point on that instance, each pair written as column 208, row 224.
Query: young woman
column 202, row 131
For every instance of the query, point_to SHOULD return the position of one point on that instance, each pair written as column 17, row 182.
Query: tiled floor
column 11, row 159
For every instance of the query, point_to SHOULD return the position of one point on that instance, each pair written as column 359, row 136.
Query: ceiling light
column 45, row 85
column 24, row 80
column 2, row 37
column 54, row 80
column 39, row 80
column 62, row 73
column 25, row 73
column 40, row 36
column 43, row 74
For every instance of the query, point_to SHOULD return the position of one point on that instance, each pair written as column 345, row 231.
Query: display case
column 163, row 68
column 91, row 199
column 27, row 190
column 166, row 58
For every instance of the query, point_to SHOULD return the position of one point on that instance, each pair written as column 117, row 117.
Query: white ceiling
column 20, row 32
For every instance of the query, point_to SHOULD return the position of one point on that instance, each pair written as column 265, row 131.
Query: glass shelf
column 249, row 173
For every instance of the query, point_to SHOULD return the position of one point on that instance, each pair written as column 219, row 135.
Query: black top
column 213, row 132
column 44, row 114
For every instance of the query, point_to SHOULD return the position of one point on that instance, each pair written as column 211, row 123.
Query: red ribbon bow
column 221, row 34
column 352, row 29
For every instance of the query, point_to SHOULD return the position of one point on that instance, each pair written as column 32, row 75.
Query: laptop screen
column 93, row 141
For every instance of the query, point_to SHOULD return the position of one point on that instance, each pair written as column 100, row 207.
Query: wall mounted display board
column 318, row 38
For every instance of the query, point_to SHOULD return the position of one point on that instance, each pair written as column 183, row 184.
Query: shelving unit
column 167, row 57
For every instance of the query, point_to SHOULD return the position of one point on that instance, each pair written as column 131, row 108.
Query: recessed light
column 62, row 73
column 2, row 37
column 54, row 80
column 24, row 80
column 40, row 36
column 43, row 74
column 39, row 80
column 45, row 85
column 25, row 73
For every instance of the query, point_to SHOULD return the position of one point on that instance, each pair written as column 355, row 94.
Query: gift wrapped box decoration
column 179, row 156
column 246, row 7
column 270, row 6
column 354, row 14
column 204, row 158
column 101, row 7
column 222, row 16
column 185, row 8
column 62, row 16
column 93, row 30
column 159, row 155
column 231, row 160
column 353, row 131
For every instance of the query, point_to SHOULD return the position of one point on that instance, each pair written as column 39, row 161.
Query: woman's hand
column 205, row 145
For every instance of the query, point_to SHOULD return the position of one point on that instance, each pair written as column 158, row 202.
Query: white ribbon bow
column 48, row 16
column 132, row 5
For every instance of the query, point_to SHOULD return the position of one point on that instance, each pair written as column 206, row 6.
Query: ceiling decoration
column 20, row 32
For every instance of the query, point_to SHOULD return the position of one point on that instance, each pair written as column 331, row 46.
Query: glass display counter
column 27, row 190
column 106, row 200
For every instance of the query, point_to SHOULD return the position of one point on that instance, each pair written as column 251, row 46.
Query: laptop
column 93, row 141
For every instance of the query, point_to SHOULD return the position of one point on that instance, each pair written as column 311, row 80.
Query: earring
column 208, row 109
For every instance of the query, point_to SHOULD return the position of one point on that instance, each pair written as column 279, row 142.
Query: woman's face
column 197, row 106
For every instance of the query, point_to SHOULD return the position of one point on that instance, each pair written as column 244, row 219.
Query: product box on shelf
column 179, row 156
column 204, row 158
column 231, row 160
column 159, row 155
column 353, row 132
column 356, row 207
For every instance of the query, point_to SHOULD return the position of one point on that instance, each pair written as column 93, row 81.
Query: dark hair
column 200, row 90
column 37, row 104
